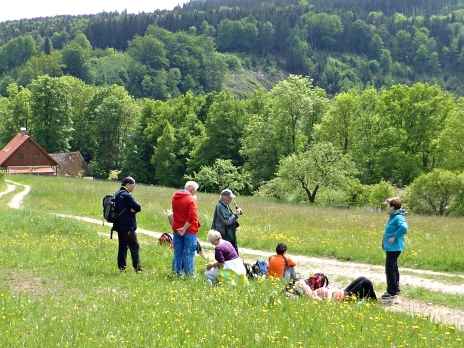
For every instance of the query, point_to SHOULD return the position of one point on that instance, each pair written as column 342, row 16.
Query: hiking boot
column 123, row 270
column 139, row 270
column 388, row 296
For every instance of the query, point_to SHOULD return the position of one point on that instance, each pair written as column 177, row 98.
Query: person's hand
column 238, row 211
column 209, row 266
column 133, row 210
column 180, row 231
column 391, row 239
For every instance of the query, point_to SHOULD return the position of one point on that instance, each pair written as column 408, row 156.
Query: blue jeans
column 184, row 250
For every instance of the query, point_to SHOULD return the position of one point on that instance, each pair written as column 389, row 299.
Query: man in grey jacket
column 225, row 220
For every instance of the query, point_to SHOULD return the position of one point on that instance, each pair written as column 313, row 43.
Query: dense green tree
column 379, row 194
column 425, row 61
column 260, row 158
column 364, row 129
column 113, row 69
column 140, row 146
column 221, row 175
column 331, row 77
column 75, row 59
column 47, row 47
column 164, row 158
column 324, row 30
column 385, row 61
column 298, row 61
column 224, row 127
column 336, row 123
column 213, row 72
column 402, row 46
column 291, row 106
column 16, row 52
column 207, row 30
column 50, row 121
column 266, row 38
column 451, row 139
column 149, row 51
column 60, row 39
column 16, row 112
column 82, row 136
column 4, row 139
column 43, row 64
column 374, row 50
column 360, row 36
column 412, row 120
column 114, row 114
column 439, row 192
column 321, row 167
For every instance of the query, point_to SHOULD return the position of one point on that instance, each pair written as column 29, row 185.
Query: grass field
column 307, row 230
column 59, row 285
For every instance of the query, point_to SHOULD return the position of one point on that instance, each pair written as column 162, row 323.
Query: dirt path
column 16, row 201
column 334, row 269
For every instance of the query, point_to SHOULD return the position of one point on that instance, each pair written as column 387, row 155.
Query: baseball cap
column 227, row 193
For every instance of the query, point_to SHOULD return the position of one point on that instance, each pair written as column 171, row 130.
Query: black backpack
column 249, row 271
column 109, row 210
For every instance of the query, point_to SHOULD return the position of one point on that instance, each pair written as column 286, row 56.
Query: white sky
column 19, row 9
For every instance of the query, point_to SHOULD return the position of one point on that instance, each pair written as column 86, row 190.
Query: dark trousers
column 362, row 288
column 128, row 240
column 391, row 271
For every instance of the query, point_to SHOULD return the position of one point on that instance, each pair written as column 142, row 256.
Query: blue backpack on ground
column 256, row 270
column 260, row 268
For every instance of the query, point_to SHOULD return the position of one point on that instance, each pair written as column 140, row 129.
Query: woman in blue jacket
column 393, row 244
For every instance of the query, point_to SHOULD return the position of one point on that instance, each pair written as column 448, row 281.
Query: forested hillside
column 301, row 100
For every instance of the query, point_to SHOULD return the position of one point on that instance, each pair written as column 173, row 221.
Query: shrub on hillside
column 440, row 192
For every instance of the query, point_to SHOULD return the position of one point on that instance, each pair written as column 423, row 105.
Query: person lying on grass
column 359, row 289
column 228, row 266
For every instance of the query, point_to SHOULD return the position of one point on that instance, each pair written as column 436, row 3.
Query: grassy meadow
column 307, row 230
column 59, row 283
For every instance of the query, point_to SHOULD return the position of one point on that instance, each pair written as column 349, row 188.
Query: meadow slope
column 334, row 269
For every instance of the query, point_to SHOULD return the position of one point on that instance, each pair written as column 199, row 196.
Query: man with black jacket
column 126, row 207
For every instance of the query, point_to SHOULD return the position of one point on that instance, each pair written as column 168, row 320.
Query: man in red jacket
column 185, row 226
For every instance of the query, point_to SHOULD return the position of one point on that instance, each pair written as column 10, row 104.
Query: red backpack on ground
column 165, row 238
column 317, row 281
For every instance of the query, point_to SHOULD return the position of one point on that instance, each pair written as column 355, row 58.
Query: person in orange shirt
column 281, row 266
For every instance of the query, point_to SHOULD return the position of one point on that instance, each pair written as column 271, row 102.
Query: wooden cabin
column 22, row 155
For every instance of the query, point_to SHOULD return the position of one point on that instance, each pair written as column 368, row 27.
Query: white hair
column 213, row 236
column 191, row 184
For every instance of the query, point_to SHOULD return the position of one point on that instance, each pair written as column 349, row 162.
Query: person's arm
column 219, row 256
column 135, row 206
column 290, row 262
column 226, row 216
column 191, row 217
column 214, row 264
column 401, row 230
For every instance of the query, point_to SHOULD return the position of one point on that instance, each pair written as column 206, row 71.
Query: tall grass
column 307, row 230
column 59, row 286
